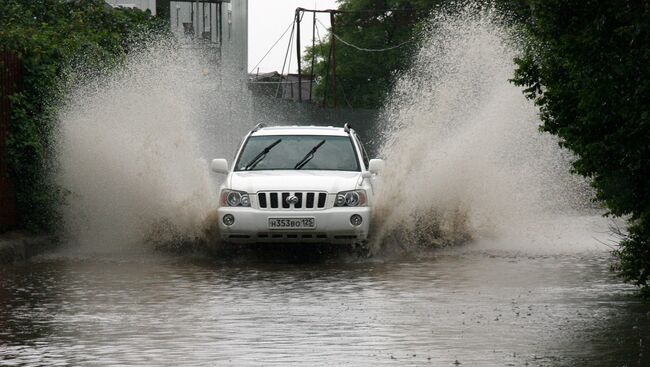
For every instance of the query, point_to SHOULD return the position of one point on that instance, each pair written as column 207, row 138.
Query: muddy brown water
column 454, row 307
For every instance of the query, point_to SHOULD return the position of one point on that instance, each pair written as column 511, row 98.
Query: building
column 140, row 4
column 281, row 86
column 220, row 25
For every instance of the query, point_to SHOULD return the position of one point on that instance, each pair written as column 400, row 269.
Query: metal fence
column 10, row 83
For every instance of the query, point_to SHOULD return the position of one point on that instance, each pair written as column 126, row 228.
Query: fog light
column 356, row 220
column 228, row 219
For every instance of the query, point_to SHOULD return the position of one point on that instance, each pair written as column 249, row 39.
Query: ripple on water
column 472, row 307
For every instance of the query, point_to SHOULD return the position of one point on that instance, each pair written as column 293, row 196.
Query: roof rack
column 258, row 126
column 347, row 128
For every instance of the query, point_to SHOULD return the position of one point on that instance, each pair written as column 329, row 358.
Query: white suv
column 297, row 184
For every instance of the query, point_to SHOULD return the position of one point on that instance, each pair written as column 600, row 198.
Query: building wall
column 199, row 22
column 202, row 18
column 238, row 42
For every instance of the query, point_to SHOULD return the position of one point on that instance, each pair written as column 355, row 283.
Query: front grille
column 303, row 200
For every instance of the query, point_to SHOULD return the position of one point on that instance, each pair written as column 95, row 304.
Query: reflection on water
column 472, row 307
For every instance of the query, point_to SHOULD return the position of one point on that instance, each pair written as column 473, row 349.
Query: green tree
column 54, row 39
column 364, row 78
column 586, row 66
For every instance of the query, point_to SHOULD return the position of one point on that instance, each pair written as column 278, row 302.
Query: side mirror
column 219, row 166
column 376, row 165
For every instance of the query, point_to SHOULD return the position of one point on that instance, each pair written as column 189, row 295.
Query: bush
column 586, row 66
column 53, row 38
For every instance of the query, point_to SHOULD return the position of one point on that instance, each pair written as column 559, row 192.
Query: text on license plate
column 292, row 223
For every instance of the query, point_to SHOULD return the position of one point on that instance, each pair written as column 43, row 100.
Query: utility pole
column 331, row 59
column 196, row 30
column 333, row 42
column 298, row 55
column 313, row 50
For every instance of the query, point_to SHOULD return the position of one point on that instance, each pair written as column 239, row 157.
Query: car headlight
column 351, row 198
column 234, row 198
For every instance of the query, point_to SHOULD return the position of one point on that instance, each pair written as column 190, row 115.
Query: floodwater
column 451, row 307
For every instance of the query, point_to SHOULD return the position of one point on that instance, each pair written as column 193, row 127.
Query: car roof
column 300, row 130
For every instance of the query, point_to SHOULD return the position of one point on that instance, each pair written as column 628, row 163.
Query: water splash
column 130, row 151
column 466, row 158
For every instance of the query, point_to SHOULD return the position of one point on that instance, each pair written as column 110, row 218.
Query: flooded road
column 465, row 161
column 461, row 306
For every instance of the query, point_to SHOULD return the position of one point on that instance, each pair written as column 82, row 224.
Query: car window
column 336, row 153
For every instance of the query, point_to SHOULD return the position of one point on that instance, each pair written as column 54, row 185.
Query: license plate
column 292, row 223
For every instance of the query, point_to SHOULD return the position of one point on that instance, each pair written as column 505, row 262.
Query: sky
column 268, row 19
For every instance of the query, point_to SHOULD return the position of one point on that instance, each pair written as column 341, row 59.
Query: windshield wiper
column 258, row 158
column 308, row 156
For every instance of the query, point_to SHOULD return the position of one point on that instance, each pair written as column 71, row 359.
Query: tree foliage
column 363, row 78
column 54, row 38
column 586, row 67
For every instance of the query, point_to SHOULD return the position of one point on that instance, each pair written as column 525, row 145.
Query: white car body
column 304, row 198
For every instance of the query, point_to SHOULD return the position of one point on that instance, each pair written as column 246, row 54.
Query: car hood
column 329, row 181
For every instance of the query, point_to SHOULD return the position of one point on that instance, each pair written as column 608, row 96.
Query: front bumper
column 331, row 226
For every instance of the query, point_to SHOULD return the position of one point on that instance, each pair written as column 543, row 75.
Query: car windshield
column 298, row 152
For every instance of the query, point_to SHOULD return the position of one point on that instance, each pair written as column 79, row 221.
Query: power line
column 275, row 43
column 363, row 48
column 331, row 58
column 293, row 25
column 371, row 11
column 370, row 49
column 347, row 101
